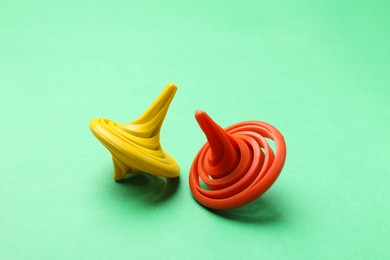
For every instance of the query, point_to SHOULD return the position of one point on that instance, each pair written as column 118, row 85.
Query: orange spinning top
column 237, row 163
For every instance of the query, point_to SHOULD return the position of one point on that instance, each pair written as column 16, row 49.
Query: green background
column 317, row 70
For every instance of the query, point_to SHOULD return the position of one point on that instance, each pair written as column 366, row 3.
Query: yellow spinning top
column 135, row 147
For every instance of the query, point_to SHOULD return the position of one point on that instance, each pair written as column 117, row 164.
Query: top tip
column 199, row 114
column 171, row 87
column 206, row 123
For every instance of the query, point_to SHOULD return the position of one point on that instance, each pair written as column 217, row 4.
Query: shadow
column 260, row 211
column 149, row 188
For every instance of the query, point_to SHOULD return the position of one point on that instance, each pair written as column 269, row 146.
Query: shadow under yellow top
column 135, row 147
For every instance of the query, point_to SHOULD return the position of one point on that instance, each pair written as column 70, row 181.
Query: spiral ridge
column 237, row 164
column 135, row 147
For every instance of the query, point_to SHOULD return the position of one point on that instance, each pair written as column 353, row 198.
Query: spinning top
column 135, row 147
column 236, row 164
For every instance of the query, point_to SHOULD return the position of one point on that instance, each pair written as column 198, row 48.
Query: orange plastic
column 135, row 147
column 237, row 163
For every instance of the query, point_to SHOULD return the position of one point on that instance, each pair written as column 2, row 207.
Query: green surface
column 317, row 70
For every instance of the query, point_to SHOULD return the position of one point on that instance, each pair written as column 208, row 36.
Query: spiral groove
column 237, row 164
column 135, row 147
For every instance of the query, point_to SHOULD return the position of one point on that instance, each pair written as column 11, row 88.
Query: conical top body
column 135, row 147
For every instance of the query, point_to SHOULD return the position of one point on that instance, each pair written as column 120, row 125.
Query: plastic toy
column 135, row 147
column 237, row 164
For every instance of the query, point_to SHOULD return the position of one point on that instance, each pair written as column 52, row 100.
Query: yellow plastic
column 135, row 147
